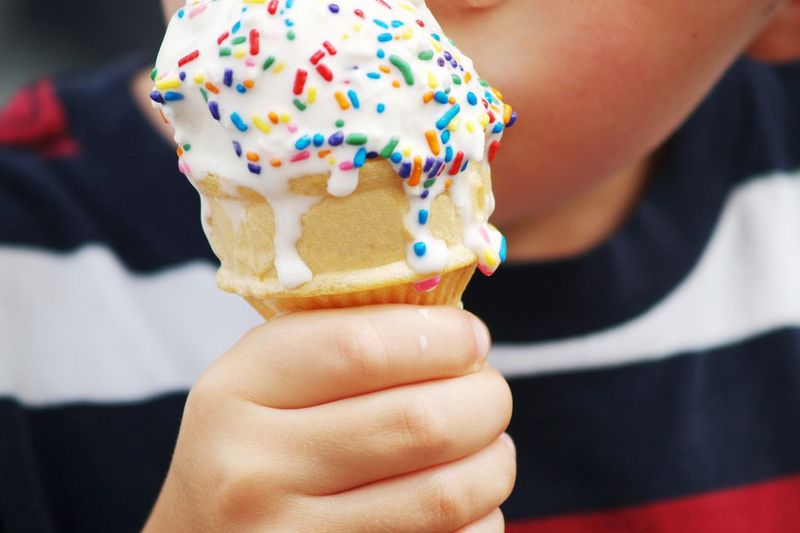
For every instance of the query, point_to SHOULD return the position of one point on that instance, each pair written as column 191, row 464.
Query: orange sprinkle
column 507, row 114
column 249, row 84
column 275, row 163
column 427, row 97
column 180, row 151
column 433, row 142
column 273, row 117
column 324, row 153
column 344, row 103
column 447, row 184
column 384, row 69
column 211, row 87
column 417, row 173
column 254, row 157
column 164, row 117
column 452, row 100
column 396, row 84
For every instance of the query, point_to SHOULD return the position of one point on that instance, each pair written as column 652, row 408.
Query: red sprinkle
column 420, row 23
column 325, row 72
column 273, row 7
column 302, row 156
column 300, row 81
column 318, row 55
column 384, row 4
column 492, row 118
column 189, row 57
column 329, row 47
column 359, row 13
column 493, row 148
column 223, row 37
column 254, row 42
column 457, row 164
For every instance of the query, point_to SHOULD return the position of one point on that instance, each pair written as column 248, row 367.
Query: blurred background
column 50, row 36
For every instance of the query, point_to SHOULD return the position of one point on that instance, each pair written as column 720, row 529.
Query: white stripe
column 81, row 328
column 746, row 283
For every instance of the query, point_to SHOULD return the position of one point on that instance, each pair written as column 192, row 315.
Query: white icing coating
column 264, row 91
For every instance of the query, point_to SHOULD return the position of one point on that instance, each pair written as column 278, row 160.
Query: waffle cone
column 355, row 246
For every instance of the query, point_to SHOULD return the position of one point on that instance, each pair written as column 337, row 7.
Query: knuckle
column 242, row 493
column 445, row 504
column 360, row 349
column 205, row 395
column 423, row 430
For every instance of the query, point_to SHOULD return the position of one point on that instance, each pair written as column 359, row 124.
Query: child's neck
column 580, row 223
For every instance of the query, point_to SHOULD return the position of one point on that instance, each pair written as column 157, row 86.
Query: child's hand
column 371, row 419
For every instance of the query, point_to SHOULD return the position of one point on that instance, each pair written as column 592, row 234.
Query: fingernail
column 506, row 438
column 482, row 339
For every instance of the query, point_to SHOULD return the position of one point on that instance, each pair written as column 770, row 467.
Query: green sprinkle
column 187, row 147
column 403, row 67
column 356, row 139
column 204, row 93
column 291, row 35
column 224, row 52
column 239, row 40
column 153, row 74
column 340, row 123
column 427, row 55
column 456, row 80
column 429, row 183
column 299, row 105
column 386, row 153
column 268, row 63
column 483, row 83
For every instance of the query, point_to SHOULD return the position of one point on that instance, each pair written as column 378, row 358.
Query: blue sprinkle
column 354, row 98
column 428, row 164
column 157, row 97
column 385, row 37
column 228, row 77
column 319, row 140
column 303, row 142
column 503, row 250
column 241, row 88
column 289, row 23
column 333, row 8
column 372, row 155
column 374, row 76
column 397, row 157
column 237, row 148
column 489, row 97
column 214, row 108
column 436, row 36
column 448, row 154
column 397, row 23
column 238, row 122
column 360, row 158
column 425, row 193
column 381, row 23
column 447, row 55
column 182, row 76
column 420, row 248
column 255, row 169
column 180, row 14
column 171, row 96
column 381, row 108
column 405, row 170
column 441, row 97
column 336, row 139
column 464, row 166
column 497, row 128
column 237, row 27
column 471, row 98
column 445, row 136
column 381, row 53
column 443, row 122
column 423, row 217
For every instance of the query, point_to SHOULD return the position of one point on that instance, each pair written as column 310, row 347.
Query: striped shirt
column 656, row 377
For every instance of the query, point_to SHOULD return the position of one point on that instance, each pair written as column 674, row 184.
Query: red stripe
column 771, row 507
column 35, row 118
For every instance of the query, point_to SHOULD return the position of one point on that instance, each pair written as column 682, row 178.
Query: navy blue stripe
column 84, row 468
column 625, row 436
column 123, row 189
column 748, row 126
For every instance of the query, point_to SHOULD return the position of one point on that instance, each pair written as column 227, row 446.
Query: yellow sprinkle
column 436, row 45
column 332, row 160
column 344, row 103
column 468, row 77
column 171, row 83
column 483, row 119
column 407, row 34
column 357, row 27
column 507, row 110
column 254, row 1
column 497, row 93
column 261, row 124
column 432, row 81
column 240, row 52
column 199, row 78
column 490, row 258
column 345, row 37
column 312, row 95
column 285, row 118
column 407, row 152
column 454, row 124
column 278, row 68
column 470, row 126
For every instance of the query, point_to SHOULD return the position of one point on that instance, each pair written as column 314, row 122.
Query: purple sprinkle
column 372, row 155
column 156, row 97
column 334, row 8
column 228, row 78
column 405, row 170
column 435, row 170
column 238, row 148
column 425, row 194
column 440, row 61
column 214, row 108
column 447, row 55
column 255, row 169
column 512, row 120
column 182, row 76
column 428, row 164
column 336, row 139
